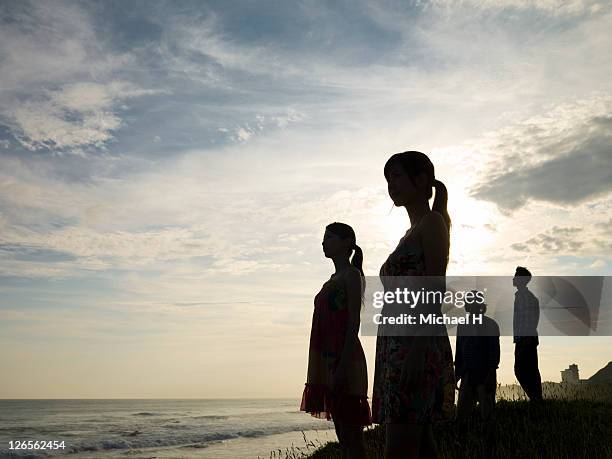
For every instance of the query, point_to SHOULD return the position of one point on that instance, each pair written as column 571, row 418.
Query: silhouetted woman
column 337, row 382
column 414, row 382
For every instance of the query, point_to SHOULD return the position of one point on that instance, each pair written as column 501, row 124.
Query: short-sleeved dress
column 432, row 399
column 327, row 336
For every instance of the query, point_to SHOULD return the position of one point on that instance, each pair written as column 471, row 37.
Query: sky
column 167, row 170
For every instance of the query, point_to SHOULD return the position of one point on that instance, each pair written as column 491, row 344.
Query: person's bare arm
column 434, row 240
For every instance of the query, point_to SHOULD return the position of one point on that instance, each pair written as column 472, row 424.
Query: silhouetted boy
column 525, row 324
column 476, row 363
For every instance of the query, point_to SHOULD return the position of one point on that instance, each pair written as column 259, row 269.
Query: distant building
column 570, row 375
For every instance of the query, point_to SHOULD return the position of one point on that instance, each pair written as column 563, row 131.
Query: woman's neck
column 341, row 264
column 416, row 211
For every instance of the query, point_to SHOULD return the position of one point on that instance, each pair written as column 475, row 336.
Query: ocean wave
column 196, row 442
column 199, row 445
column 20, row 430
column 176, row 426
column 10, row 454
column 211, row 416
column 176, row 436
column 252, row 433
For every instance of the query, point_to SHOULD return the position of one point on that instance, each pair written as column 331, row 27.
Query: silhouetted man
column 525, row 324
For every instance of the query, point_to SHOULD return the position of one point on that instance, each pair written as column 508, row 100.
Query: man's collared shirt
column 526, row 314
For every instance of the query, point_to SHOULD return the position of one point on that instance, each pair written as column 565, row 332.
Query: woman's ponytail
column 357, row 260
column 440, row 203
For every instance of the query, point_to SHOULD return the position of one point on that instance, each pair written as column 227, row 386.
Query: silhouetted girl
column 337, row 382
column 414, row 381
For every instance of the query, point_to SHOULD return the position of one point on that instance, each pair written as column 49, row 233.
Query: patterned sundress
column 431, row 399
column 327, row 336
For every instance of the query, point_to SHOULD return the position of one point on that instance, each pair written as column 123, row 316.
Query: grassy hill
column 603, row 376
column 574, row 421
column 585, row 390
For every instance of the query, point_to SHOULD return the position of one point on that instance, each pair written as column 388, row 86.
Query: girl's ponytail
column 357, row 260
column 441, row 202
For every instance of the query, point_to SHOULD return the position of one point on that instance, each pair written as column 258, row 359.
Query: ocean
column 160, row 428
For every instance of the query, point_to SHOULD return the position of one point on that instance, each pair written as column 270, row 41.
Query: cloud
column 44, row 125
column 551, row 7
column 238, row 212
column 273, row 67
column 606, row 227
column 574, row 241
column 50, row 42
column 33, row 253
column 557, row 240
column 76, row 115
column 59, row 92
column 547, row 158
column 250, row 87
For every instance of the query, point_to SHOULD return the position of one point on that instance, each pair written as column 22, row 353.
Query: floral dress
column 327, row 336
column 432, row 397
